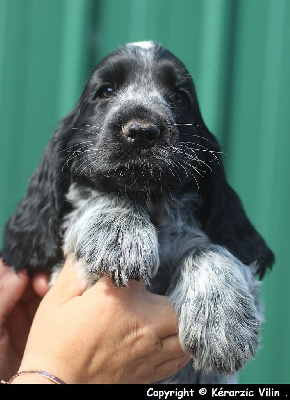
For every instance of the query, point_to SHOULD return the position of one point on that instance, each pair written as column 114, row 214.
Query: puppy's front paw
column 218, row 319
column 121, row 243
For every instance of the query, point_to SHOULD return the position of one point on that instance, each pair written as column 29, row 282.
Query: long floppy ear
column 225, row 220
column 32, row 235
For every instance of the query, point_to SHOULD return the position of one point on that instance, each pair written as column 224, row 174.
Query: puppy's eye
column 180, row 97
column 106, row 92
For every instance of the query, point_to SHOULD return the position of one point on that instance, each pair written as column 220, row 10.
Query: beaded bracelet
column 46, row 375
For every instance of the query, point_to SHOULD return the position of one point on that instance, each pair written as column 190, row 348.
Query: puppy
column 132, row 184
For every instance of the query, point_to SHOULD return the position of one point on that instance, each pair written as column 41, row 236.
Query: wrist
column 34, row 376
column 30, row 379
column 44, row 366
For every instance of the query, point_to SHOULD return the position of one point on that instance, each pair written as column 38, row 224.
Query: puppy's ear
column 225, row 220
column 32, row 235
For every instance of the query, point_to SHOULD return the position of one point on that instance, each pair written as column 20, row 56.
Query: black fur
column 32, row 237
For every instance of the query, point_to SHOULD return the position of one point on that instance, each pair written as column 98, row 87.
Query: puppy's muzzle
column 140, row 134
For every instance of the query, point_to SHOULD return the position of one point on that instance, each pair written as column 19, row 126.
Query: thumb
column 68, row 284
column 12, row 286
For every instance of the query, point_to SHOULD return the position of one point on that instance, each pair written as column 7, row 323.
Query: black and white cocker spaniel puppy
column 132, row 183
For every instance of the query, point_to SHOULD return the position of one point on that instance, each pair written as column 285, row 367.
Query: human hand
column 19, row 299
column 106, row 334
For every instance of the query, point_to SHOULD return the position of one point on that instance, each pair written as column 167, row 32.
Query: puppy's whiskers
column 84, row 127
column 78, row 153
column 188, row 124
column 79, row 144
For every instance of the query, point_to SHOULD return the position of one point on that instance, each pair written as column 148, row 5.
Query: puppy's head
column 138, row 126
column 136, row 129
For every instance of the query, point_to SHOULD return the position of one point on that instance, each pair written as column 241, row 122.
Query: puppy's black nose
column 140, row 133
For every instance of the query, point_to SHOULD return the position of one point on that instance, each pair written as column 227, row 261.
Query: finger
column 167, row 322
column 68, row 284
column 12, row 286
column 152, row 305
column 168, row 348
column 170, row 367
column 40, row 283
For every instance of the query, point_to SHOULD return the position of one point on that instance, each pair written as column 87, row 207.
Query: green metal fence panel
column 43, row 68
column 238, row 53
column 258, row 165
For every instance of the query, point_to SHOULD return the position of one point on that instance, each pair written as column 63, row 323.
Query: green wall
column 238, row 52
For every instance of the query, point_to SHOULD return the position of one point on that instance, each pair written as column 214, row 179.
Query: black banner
column 173, row 392
column 164, row 392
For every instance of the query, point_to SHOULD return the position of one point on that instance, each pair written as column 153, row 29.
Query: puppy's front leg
column 109, row 235
column 215, row 298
